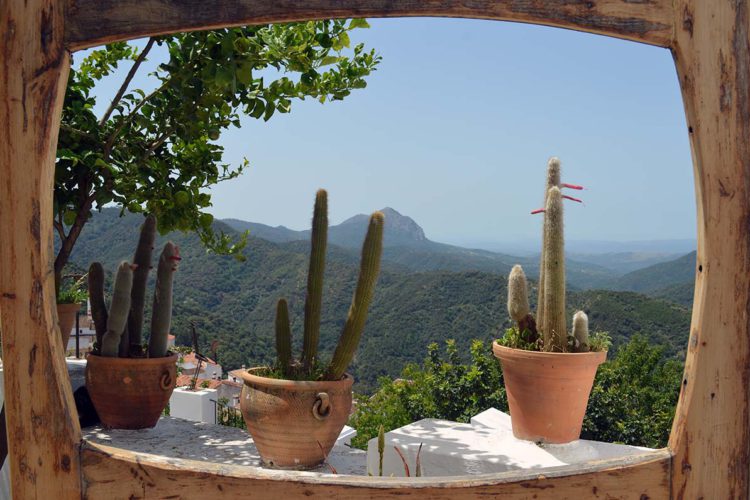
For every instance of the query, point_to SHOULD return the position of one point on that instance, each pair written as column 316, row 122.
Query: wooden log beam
column 95, row 22
column 711, row 433
column 43, row 432
column 110, row 472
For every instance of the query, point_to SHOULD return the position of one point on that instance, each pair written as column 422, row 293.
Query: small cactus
column 161, row 314
column 518, row 294
column 118, row 311
column 314, row 298
column 381, row 449
column 96, row 299
column 518, row 303
column 283, row 338
column 142, row 259
column 581, row 331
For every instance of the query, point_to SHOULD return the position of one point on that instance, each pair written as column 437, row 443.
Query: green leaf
column 328, row 60
column 358, row 23
column 69, row 217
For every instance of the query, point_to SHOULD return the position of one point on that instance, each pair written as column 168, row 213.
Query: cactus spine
column 552, row 180
column 118, row 312
column 314, row 299
column 283, row 338
column 96, row 299
column 581, row 331
column 372, row 249
column 161, row 314
column 553, row 323
column 142, row 259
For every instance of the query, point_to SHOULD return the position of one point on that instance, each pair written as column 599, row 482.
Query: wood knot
column 65, row 463
column 687, row 21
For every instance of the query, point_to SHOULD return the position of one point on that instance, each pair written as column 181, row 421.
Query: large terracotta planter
column 130, row 393
column 294, row 424
column 66, row 318
column 547, row 391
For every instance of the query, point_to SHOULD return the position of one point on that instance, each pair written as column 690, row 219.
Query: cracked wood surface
column 93, row 22
column 711, row 432
column 41, row 418
column 710, row 41
column 112, row 471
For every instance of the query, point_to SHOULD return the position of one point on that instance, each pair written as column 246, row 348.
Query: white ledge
column 486, row 445
column 183, row 439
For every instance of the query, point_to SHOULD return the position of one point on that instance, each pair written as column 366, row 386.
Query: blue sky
column 456, row 126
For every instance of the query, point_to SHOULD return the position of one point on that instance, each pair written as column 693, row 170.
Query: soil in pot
column 294, row 424
column 66, row 319
column 547, row 391
column 130, row 393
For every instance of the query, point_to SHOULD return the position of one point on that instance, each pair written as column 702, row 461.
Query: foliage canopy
column 632, row 402
column 156, row 152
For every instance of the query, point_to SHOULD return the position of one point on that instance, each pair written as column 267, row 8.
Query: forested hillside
column 234, row 301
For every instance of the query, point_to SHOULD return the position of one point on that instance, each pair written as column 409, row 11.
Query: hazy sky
column 455, row 129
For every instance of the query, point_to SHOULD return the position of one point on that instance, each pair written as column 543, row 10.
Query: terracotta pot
column 547, row 391
column 294, row 424
column 66, row 320
column 130, row 393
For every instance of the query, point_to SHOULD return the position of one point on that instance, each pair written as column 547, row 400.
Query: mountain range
column 405, row 244
column 427, row 292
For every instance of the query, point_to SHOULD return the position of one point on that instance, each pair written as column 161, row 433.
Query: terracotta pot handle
column 322, row 406
column 166, row 381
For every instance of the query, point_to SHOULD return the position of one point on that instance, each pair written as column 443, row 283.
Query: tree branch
column 60, row 229
column 111, row 141
column 161, row 140
column 126, row 82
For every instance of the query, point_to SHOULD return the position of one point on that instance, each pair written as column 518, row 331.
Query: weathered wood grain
column 94, row 22
column 711, row 432
column 114, row 473
column 41, row 417
column 711, row 435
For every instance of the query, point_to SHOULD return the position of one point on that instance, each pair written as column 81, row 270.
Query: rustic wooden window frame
column 707, row 456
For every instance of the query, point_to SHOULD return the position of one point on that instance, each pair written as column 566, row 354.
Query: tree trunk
column 43, row 431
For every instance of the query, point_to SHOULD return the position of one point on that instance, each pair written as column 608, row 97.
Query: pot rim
column 171, row 357
column 509, row 353
column 250, row 378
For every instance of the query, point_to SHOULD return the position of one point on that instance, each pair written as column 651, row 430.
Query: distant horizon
column 529, row 245
column 455, row 129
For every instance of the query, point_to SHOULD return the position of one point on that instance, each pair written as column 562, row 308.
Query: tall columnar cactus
column 581, row 331
column 161, row 314
column 550, row 320
column 142, row 259
column 314, row 298
column 372, row 249
column 283, row 338
column 355, row 321
column 552, row 180
column 118, row 311
column 553, row 323
column 96, row 299
column 119, row 331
